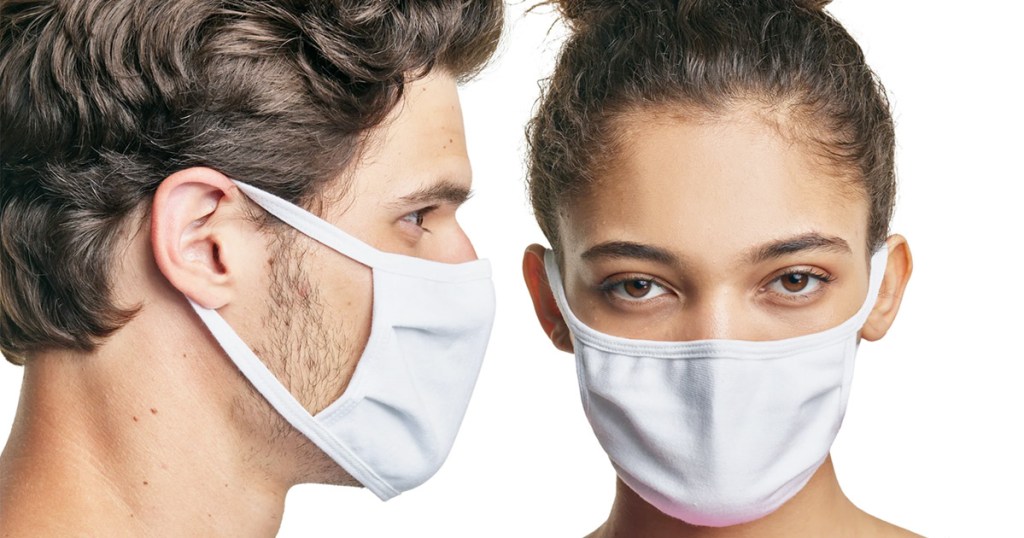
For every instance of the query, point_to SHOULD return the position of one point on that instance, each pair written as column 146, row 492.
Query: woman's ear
column 543, row 300
column 897, row 273
column 193, row 219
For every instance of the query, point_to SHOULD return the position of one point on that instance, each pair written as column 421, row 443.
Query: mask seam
column 672, row 354
column 581, row 380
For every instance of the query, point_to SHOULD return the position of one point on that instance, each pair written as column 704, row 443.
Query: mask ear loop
column 278, row 396
column 557, row 287
column 338, row 240
column 264, row 380
column 700, row 348
column 312, row 226
column 257, row 372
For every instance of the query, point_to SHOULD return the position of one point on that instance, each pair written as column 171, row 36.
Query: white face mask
column 396, row 422
column 716, row 432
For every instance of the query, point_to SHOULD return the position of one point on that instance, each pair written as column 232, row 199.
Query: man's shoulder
column 38, row 503
column 29, row 518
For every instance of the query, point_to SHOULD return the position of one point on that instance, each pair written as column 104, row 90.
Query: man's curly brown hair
column 100, row 100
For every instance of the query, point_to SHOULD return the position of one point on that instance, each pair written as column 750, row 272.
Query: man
column 194, row 341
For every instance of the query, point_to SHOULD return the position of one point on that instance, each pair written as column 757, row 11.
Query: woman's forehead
column 714, row 186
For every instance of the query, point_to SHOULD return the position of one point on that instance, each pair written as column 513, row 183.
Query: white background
column 932, row 439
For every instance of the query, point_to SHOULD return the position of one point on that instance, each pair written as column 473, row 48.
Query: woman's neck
column 819, row 509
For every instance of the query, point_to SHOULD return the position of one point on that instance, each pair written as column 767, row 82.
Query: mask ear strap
column 557, row 287
column 336, row 239
column 313, row 226
column 879, row 260
column 876, row 274
column 278, row 396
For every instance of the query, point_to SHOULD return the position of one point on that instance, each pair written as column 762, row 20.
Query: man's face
column 400, row 196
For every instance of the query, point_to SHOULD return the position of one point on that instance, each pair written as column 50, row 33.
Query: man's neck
column 819, row 509
column 117, row 443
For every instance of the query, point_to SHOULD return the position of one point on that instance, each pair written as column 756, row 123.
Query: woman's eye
column 636, row 289
column 795, row 284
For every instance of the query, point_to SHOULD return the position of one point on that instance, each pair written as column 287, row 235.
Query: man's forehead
column 416, row 156
column 427, row 121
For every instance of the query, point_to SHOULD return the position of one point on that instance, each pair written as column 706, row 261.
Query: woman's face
column 723, row 228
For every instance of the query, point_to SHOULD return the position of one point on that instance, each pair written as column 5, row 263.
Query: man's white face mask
column 716, row 432
column 398, row 418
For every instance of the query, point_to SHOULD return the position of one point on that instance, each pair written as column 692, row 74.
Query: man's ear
column 897, row 273
column 193, row 218
column 543, row 300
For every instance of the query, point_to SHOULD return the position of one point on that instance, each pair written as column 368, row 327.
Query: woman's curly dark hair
column 704, row 57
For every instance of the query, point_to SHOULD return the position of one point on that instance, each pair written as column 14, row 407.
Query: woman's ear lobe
column 544, row 304
column 186, row 234
column 898, row 269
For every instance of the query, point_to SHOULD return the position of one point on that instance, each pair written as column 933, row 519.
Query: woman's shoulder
column 884, row 529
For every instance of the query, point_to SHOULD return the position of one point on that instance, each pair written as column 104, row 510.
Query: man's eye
column 415, row 218
column 635, row 289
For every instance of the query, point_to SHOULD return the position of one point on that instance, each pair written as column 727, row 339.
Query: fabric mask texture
column 397, row 420
column 716, row 432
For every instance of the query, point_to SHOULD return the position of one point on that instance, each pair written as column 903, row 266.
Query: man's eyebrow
column 629, row 249
column 799, row 243
column 446, row 191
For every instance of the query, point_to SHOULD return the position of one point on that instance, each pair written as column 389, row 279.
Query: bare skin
column 156, row 433
column 720, row 227
column 820, row 509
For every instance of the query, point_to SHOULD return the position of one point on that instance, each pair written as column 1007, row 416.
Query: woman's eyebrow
column 628, row 249
column 799, row 243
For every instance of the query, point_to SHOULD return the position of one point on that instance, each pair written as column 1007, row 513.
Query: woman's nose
column 717, row 314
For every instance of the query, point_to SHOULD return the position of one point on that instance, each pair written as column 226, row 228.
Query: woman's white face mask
column 716, row 432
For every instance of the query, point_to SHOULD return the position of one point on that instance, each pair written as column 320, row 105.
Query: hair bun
column 581, row 13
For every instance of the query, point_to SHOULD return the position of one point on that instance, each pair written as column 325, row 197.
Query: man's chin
column 342, row 479
column 325, row 471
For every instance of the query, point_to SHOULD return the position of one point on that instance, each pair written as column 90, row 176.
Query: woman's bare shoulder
column 885, row 529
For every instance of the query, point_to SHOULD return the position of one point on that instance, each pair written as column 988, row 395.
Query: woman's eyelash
column 820, row 275
column 610, row 286
column 798, row 284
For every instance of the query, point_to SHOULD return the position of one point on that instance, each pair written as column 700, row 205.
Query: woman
column 716, row 181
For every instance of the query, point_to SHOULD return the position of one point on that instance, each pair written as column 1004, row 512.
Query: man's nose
column 461, row 248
